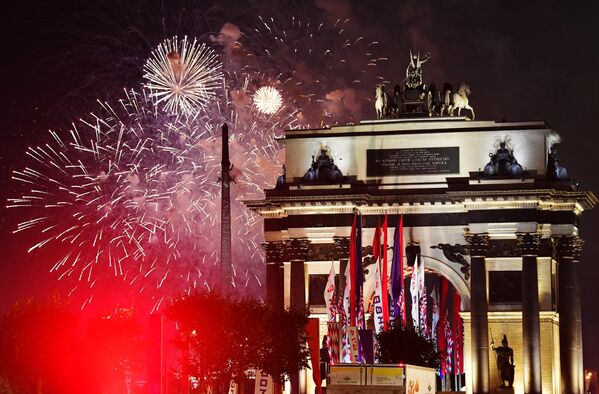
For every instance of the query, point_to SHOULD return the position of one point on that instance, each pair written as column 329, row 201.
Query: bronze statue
column 555, row 171
column 414, row 71
column 505, row 362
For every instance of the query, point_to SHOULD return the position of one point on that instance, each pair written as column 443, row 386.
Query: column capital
column 528, row 243
column 296, row 249
column 478, row 244
column 342, row 245
column 566, row 246
column 274, row 251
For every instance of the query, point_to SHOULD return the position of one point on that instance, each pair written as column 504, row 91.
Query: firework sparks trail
column 131, row 192
column 182, row 75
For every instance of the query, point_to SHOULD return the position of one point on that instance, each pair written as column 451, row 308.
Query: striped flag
column 449, row 350
column 424, row 329
column 329, row 294
column 434, row 312
column 333, row 341
column 351, row 280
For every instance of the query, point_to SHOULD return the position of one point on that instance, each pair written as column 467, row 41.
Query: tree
column 407, row 346
column 36, row 347
column 225, row 338
column 110, row 347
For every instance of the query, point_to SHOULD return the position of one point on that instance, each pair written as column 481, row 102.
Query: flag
column 311, row 329
column 345, row 316
column 329, row 294
column 352, row 274
column 414, row 295
column 379, row 320
column 359, row 278
column 385, row 275
column 434, row 312
column 422, row 299
column 333, row 342
column 441, row 336
column 397, row 290
column 449, row 348
column 424, row 329
column 458, row 336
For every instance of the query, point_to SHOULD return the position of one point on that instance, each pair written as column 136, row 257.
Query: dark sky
column 534, row 60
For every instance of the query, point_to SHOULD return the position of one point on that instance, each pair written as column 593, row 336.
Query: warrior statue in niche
column 505, row 362
column 555, row 171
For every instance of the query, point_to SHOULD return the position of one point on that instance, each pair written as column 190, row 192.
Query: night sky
column 534, row 60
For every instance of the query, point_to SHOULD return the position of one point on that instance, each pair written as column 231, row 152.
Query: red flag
column 441, row 337
column 352, row 274
column 458, row 336
column 314, row 347
column 384, row 279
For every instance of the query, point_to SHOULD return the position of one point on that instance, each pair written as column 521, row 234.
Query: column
column 567, row 253
column 479, row 307
column 274, row 278
column 528, row 246
column 342, row 250
column 296, row 250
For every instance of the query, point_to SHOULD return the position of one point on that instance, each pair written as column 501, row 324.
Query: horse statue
column 381, row 102
column 460, row 100
column 446, row 100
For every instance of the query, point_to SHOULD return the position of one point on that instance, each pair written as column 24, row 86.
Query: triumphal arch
column 491, row 207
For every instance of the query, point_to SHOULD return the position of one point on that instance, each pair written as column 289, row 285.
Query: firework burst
column 268, row 100
column 182, row 75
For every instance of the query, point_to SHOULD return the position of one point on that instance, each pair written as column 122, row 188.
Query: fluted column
column 479, row 308
column 342, row 249
column 296, row 250
column 274, row 279
column 566, row 250
column 528, row 246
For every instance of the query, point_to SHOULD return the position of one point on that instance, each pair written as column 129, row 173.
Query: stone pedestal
column 479, row 307
column 528, row 246
column 567, row 253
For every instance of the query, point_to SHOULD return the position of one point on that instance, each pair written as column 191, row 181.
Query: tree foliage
column 407, row 346
column 226, row 338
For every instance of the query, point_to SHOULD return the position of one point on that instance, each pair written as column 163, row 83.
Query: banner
column 264, row 384
column 329, row 294
column 354, row 343
column 350, row 282
column 359, row 278
column 414, row 296
column 379, row 319
column 314, row 348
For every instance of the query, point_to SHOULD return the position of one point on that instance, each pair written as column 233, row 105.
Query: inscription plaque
column 413, row 161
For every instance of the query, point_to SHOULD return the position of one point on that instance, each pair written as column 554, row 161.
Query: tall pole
column 225, row 214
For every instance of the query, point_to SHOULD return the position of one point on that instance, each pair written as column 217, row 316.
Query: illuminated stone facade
column 482, row 185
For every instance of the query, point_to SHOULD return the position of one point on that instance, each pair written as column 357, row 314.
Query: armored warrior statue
column 414, row 70
column 505, row 362
column 555, row 171
column 323, row 169
column 503, row 163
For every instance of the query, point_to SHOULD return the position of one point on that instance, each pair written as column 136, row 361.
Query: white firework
column 268, row 100
column 182, row 75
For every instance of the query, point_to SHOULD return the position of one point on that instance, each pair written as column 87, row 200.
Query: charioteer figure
column 505, row 362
